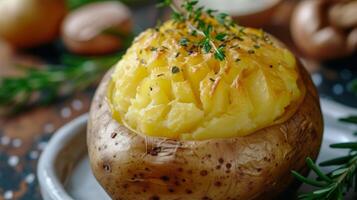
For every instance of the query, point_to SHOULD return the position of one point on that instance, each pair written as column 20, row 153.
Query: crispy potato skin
column 130, row 166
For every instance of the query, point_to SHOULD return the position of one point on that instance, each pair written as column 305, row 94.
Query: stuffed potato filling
column 167, row 86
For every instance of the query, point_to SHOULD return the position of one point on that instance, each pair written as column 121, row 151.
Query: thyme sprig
column 194, row 17
column 335, row 184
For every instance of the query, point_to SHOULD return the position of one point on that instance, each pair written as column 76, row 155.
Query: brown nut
column 83, row 30
column 27, row 23
column 314, row 36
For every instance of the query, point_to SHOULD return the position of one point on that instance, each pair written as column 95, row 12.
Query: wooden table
column 24, row 136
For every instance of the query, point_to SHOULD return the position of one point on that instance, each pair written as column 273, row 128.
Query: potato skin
column 130, row 166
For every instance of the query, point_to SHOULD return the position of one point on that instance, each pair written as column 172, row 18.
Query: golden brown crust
column 256, row 166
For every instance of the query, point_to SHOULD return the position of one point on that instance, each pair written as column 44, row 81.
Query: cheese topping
column 167, row 86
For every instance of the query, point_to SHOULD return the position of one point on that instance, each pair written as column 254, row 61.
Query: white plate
column 64, row 172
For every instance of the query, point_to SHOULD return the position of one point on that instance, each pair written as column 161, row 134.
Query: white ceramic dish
column 256, row 13
column 64, row 172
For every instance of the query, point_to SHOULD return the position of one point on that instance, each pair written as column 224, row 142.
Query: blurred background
column 54, row 52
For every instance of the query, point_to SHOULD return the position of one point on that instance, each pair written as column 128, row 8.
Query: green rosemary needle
column 353, row 86
column 336, row 183
column 41, row 86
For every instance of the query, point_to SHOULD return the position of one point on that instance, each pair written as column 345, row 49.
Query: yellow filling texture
column 166, row 86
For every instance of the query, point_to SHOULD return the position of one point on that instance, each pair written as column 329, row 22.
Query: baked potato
column 172, row 122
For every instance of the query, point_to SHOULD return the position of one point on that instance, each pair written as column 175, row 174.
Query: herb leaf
column 336, row 183
column 221, row 36
column 194, row 17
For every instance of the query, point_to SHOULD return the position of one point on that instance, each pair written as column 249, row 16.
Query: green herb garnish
column 352, row 86
column 184, row 42
column 335, row 184
column 41, row 86
column 194, row 17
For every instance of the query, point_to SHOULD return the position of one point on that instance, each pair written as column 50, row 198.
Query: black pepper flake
column 271, row 66
column 237, row 60
column 114, row 134
column 211, row 79
column 150, row 88
column 238, row 38
column 159, row 75
column 256, row 46
column 251, row 51
column 153, row 49
column 175, row 69
column 177, row 55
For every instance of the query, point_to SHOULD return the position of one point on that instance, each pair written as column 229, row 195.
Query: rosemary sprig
column 350, row 119
column 194, row 18
column 336, row 183
column 41, row 86
column 353, row 86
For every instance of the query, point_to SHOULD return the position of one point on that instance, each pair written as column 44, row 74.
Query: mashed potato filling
column 166, row 86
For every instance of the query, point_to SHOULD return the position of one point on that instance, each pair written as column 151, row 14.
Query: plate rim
column 53, row 189
column 50, row 186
